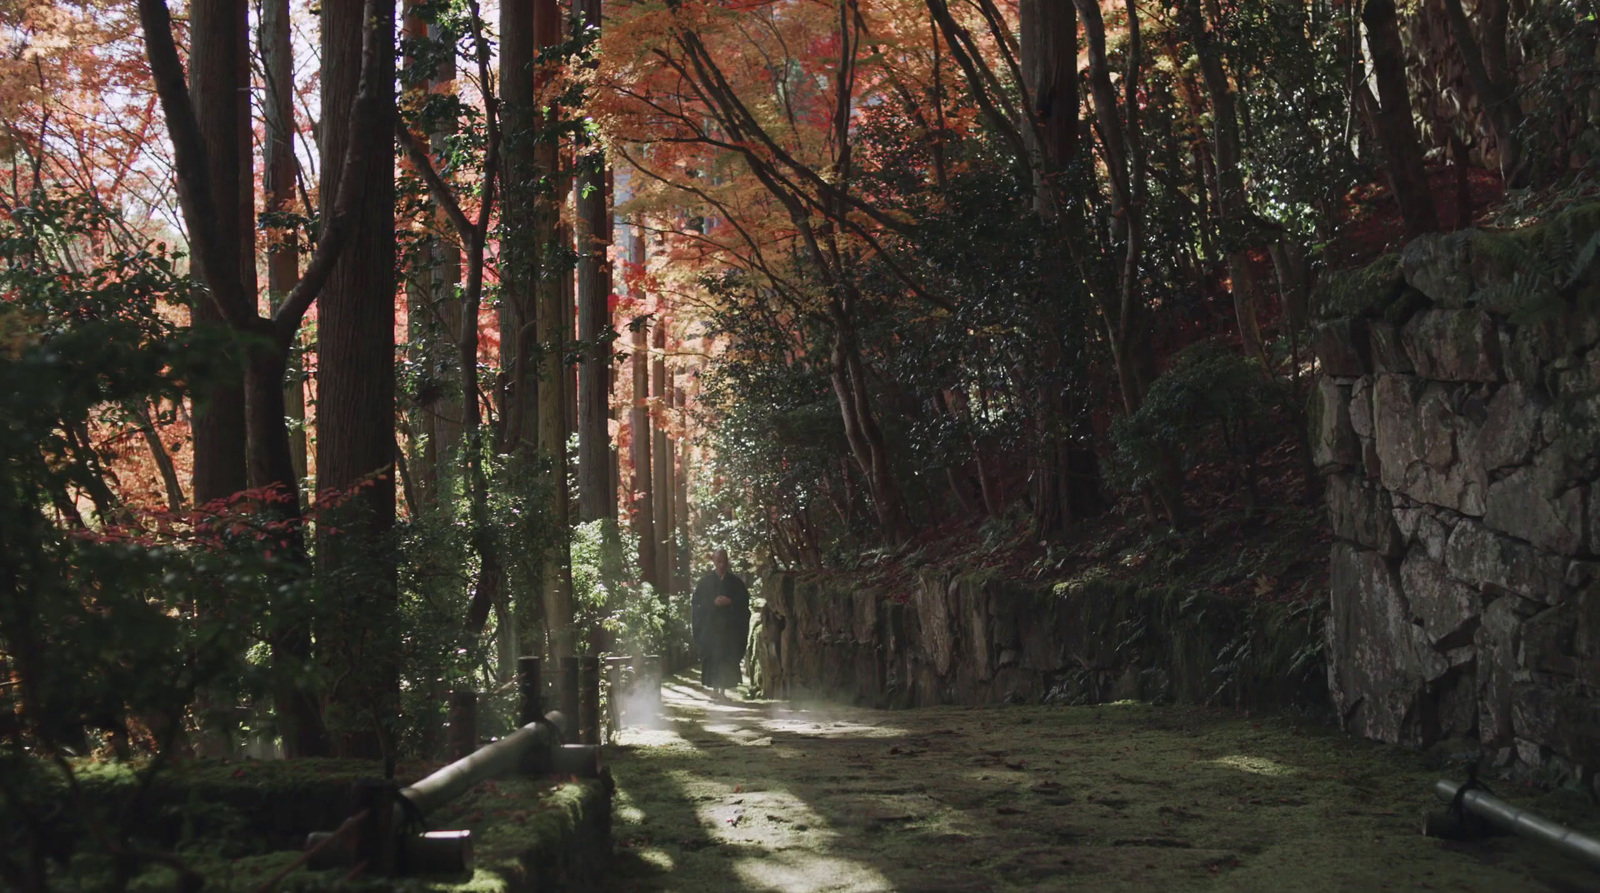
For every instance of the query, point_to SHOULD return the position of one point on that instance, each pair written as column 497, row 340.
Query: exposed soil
column 766, row 796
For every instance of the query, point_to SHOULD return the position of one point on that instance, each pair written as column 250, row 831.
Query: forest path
column 732, row 795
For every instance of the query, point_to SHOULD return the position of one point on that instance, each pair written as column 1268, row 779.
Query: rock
column 1534, row 503
column 1594, row 520
column 1574, row 429
column 1447, row 608
column 1455, row 705
column 1497, row 663
column 1425, row 526
column 1440, row 266
column 1394, row 422
column 1437, row 420
column 1511, row 431
column 932, row 600
column 1535, row 716
column 1358, row 292
column 1526, row 349
column 1586, row 622
column 1341, row 347
column 1546, row 642
column 1361, row 408
column 1499, row 564
column 1333, row 440
column 1415, row 431
column 1361, row 513
column 1387, row 348
column 1373, row 672
column 1530, row 753
column 1453, row 345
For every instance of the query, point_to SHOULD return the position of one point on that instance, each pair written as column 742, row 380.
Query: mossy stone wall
column 1457, row 422
column 976, row 639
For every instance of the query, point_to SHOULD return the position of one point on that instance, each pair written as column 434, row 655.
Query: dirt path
column 763, row 796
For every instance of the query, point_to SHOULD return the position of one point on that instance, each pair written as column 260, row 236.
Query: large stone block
column 1341, row 347
column 1419, row 438
column 1511, row 431
column 1395, row 428
column 1497, row 641
column 1388, row 349
column 1374, row 676
column 1440, row 266
column 1594, row 520
column 1536, row 503
column 1361, row 407
column 1453, row 345
column 1546, row 643
column 1333, row 440
column 1480, row 557
column 1447, row 608
column 1424, row 526
column 1361, row 514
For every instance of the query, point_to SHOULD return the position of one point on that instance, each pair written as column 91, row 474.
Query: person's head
column 719, row 560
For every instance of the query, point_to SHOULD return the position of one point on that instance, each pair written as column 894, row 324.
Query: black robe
column 720, row 632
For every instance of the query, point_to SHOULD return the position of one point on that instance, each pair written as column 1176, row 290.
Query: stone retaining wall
column 973, row 639
column 1457, row 421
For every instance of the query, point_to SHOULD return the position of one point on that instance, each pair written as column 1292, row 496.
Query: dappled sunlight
column 667, row 738
column 728, row 814
column 1254, row 765
column 795, row 870
column 798, row 723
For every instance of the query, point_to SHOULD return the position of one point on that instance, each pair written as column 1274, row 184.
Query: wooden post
column 650, row 679
column 589, row 700
column 463, row 723
column 614, row 693
column 569, row 698
column 375, row 838
column 530, row 691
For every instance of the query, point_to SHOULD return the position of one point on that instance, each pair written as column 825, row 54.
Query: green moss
column 1364, row 292
column 1112, row 798
column 525, row 828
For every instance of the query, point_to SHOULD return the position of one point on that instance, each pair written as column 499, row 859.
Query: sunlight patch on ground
column 1254, row 765
column 799, row 724
column 654, row 738
column 727, row 813
column 657, row 857
column 795, row 870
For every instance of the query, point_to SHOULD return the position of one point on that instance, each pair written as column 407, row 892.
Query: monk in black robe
column 720, row 612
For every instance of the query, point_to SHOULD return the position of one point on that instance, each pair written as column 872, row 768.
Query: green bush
column 1212, row 405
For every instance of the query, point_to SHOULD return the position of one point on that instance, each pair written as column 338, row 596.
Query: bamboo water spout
column 1522, row 822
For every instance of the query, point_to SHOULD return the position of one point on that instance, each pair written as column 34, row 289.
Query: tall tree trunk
column 219, row 76
column 1232, row 200
column 219, row 84
column 642, row 490
column 1049, row 57
column 278, row 186
column 519, row 250
column 1397, row 133
column 1489, row 72
column 595, row 497
column 230, row 282
column 661, row 452
column 356, row 405
column 421, row 451
column 680, row 503
column 554, row 318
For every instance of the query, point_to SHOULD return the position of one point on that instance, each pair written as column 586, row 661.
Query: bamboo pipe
column 1523, row 822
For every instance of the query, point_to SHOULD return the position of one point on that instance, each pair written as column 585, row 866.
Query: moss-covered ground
column 760, row 796
column 239, row 823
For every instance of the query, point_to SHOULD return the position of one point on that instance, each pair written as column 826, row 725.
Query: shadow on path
column 765, row 796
